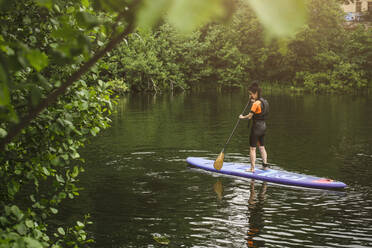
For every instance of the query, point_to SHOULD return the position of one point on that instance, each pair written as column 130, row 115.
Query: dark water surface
column 138, row 185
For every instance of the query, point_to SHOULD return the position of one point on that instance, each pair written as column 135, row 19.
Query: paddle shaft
column 236, row 125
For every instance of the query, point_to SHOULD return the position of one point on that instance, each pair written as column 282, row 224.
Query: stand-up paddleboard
column 269, row 175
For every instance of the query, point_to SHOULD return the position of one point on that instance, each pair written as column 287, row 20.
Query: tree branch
column 53, row 96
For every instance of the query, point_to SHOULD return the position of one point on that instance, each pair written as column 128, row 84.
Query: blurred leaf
column 54, row 210
column 6, row 4
column 283, row 46
column 21, row 229
column 46, row 171
column 55, row 161
column 37, row 59
column 94, row 131
column 4, row 94
column 32, row 243
column 3, row 74
column 161, row 239
column 110, row 5
column 10, row 114
column 80, row 224
column 87, row 20
column 35, row 95
column 3, row 132
column 151, row 12
column 280, row 17
column 61, row 231
column 13, row 187
column 60, row 179
column 16, row 212
column 85, row 3
column 29, row 223
column 186, row 15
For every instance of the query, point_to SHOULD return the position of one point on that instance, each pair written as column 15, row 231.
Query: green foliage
column 54, row 86
column 144, row 61
column 41, row 44
column 118, row 86
column 40, row 162
column 343, row 78
column 232, row 54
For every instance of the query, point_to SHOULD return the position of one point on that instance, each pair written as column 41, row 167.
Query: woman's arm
column 248, row 116
column 253, row 109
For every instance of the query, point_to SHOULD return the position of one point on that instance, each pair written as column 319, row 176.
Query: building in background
column 356, row 9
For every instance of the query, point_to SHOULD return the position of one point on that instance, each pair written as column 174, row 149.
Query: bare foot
column 250, row 170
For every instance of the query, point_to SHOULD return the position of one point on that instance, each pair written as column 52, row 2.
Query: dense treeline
column 324, row 56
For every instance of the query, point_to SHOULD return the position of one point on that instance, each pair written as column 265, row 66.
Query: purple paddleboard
column 269, row 175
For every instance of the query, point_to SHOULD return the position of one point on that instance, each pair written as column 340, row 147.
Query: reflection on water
column 137, row 185
column 255, row 207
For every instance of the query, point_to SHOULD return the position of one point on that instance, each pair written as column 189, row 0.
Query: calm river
column 139, row 190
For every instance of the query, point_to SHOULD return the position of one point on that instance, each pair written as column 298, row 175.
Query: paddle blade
column 219, row 161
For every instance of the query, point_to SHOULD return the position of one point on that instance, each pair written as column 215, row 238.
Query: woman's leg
column 252, row 153
column 263, row 155
column 262, row 150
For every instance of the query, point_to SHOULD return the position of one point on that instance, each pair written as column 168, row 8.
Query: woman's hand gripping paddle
column 219, row 161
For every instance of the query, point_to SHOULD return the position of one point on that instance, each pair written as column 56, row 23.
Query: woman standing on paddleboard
column 258, row 112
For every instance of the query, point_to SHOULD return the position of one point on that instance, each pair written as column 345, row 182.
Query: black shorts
column 257, row 136
column 255, row 140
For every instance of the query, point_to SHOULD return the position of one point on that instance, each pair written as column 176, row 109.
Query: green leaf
column 61, row 231
column 54, row 210
column 85, row 3
column 32, row 243
column 94, row 131
column 60, row 179
column 4, row 93
column 161, row 239
column 21, row 228
column 46, row 171
column 75, row 155
column 80, row 224
column 29, row 223
column 110, row 5
column 87, row 20
column 35, row 95
column 16, row 212
column 38, row 60
column 45, row 3
column 13, row 187
column 3, row 75
column 3, row 133
column 280, row 17
column 75, row 173
column 55, row 161
column 56, row 7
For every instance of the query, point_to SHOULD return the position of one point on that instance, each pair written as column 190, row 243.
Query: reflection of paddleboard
column 269, row 175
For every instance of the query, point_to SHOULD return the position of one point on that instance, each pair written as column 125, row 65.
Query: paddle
column 219, row 161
